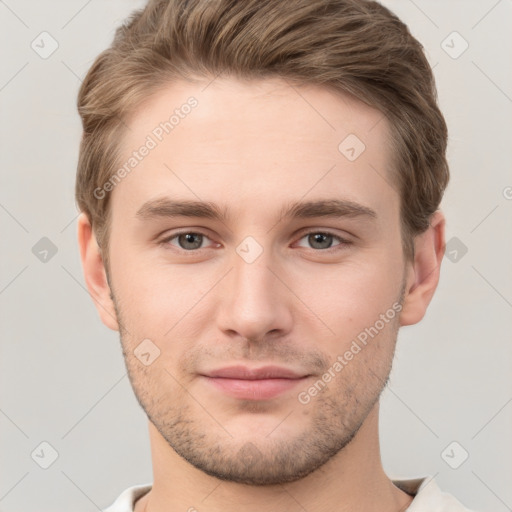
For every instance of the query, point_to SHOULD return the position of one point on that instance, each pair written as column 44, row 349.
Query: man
column 259, row 184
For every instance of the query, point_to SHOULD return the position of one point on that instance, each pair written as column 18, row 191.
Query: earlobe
column 423, row 272
column 94, row 273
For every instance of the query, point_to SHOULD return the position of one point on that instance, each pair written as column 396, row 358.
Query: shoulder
column 126, row 500
column 428, row 497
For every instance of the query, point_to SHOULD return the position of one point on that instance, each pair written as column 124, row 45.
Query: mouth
column 247, row 383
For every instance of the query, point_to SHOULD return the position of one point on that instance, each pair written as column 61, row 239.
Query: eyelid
column 343, row 241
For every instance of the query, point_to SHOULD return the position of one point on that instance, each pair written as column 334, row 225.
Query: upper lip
column 246, row 373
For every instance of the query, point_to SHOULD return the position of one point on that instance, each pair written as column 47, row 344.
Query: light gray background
column 63, row 378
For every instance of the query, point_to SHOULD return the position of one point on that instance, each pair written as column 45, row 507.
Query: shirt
column 427, row 497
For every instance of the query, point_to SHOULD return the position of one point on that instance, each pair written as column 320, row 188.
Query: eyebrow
column 335, row 208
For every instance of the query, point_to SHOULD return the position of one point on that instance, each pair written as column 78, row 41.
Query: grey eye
column 320, row 240
column 189, row 241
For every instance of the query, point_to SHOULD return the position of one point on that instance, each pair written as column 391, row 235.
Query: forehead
column 248, row 143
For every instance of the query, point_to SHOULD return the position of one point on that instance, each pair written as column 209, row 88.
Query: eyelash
column 342, row 241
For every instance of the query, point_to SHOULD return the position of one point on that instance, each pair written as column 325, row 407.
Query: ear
column 423, row 272
column 94, row 273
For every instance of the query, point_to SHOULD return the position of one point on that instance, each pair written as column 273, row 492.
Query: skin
column 253, row 147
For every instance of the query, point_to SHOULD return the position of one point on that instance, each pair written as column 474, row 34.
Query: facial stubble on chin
column 203, row 442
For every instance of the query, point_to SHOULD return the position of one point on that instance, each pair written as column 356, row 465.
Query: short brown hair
column 352, row 46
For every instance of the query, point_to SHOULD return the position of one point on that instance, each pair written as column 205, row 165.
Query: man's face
column 256, row 288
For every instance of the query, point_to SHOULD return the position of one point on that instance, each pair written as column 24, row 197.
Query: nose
column 254, row 301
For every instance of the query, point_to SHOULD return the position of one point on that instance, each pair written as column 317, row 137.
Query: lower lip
column 259, row 389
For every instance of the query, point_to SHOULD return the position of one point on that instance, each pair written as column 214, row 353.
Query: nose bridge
column 251, row 274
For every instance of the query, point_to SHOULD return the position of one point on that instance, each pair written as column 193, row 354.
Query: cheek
column 161, row 302
column 355, row 296
column 143, row 288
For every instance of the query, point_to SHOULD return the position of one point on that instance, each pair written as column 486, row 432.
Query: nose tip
column 253, row 302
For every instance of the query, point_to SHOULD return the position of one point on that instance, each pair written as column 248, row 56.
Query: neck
column 351, row 480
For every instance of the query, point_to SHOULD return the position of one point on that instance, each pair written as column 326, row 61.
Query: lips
column 246, row 373
column 247, row 383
